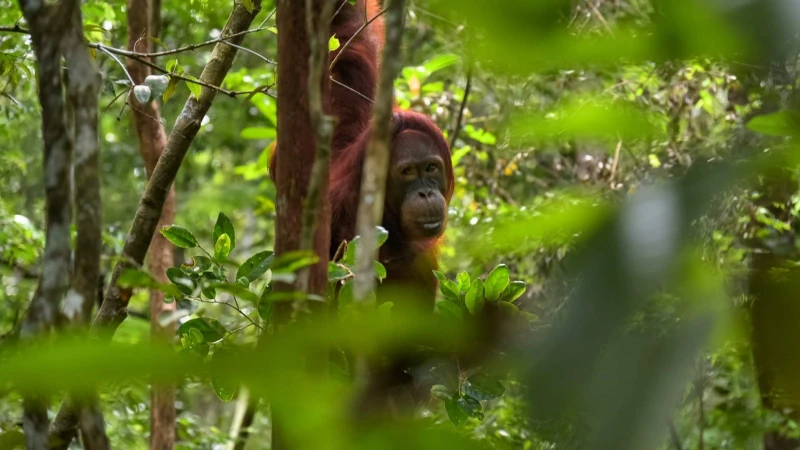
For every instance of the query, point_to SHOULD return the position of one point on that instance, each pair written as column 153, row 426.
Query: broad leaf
column 210, row 329
column 256, row 265
column 474, row 298
column 496, row 282
column 513, row 291
column 222, row 248
column 224, row 226
column 179, row 236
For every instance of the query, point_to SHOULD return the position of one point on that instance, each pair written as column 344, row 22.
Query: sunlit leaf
column 222, row 248
column 496, row 282
column 223, row 225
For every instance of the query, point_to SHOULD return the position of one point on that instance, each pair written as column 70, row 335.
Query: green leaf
column 508, row 309
column 349, row 258
column 454, row 411
column 131, row 278
column 272, row 30
column 463, row 281
column 256, row 265
column 210, row 329
column 383, row 235
column 441, row 392
column 474, row 299
column 234, row 289
column 440, row 62
column 337, row 272
column 173, row 66
column 194, row 337
column 483, row 387
column 170, row 90
column 781, row 123
column 258, row 133
column 180, row 280
column 194, row 88
column 225, row 387
column 460, row 408
column 333, row 43
column 449, row 308
column 496, row 282
column 264, row 305
column 179, row 236
column 448, row 288
column 224, row 226
column 222, row 248
column 249, row 5
column 513, row 291
column 290, row 262
column 385, row 309
column 380, row 271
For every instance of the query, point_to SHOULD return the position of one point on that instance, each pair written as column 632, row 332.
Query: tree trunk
column 152, row 140
column 295, row 159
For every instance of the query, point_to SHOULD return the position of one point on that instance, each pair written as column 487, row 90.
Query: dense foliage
column 620, row 168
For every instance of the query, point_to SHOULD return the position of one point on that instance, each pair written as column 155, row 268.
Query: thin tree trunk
column 300, row 153
column 152, row 140
column 376, row 160
column 48, row 24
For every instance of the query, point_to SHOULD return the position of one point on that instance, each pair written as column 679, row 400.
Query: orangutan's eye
column 431, row 168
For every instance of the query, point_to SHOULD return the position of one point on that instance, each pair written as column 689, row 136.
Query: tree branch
column 376, row 160
column 461, row 109
column 322, row 125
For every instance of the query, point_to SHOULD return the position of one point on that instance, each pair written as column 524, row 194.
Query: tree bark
column 300, row 153
column 152, row 140
column 48, row 25
column 298, row 146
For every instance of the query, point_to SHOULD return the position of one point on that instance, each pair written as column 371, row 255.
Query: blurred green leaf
column 210, row 329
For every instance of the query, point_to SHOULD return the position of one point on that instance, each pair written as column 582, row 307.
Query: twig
column 252, row 52
column 464, row 100
column 600, row 17
column 14, row 29
column 352, row 90
column 616, row 161
column 269, row 16
column 234, row 307
column 366, row 24
column 344, row 2
column 105, row 50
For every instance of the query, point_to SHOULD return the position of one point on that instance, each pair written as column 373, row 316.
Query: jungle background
column 632, row 162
